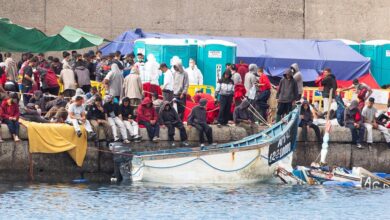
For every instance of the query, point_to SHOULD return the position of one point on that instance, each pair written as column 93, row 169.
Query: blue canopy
column 275, row 55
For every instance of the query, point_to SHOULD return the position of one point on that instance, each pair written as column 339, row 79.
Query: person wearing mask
column 286, row 95
column 298, row 78
column 126, row 114
column 197, row 119
column 132, row 87
column 10, row 115
column 82, row 75
column 140, row 64
column 328, row 82
column 250, row 82
column 180, row 88
column 111, row 109
column 307, row 121
column 77, row 116
column 243, row 118
column 169, row 118
column 353, row 120
column 152, row 72
column 10, row 67
column 225, row 90
column 27, row 79
column 97, row 118
column 147, row 116
column 114, row 81
column 195, row 76
column 67, row 77
column 167, row 88
column 368, row 113
column 264, row 92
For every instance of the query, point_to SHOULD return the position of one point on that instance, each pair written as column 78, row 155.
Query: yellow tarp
column 56, row 138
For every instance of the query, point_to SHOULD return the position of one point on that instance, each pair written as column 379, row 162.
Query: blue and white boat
column 252, row 159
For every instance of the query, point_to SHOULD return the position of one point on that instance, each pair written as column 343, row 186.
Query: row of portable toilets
column 210, row 55
column 379, row 53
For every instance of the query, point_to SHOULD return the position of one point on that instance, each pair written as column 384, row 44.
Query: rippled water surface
column 157, row 201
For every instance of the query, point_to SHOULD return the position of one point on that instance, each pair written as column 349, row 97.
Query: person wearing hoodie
column 10, row 67
column 132, row 87
column 307, row 121
column 49, row 80
column 243, row 117
column 198, row 119
column 111, row 110
column 152, row 71
column 286, row 95
column 126, row 114
column 180, row 88
column 263, row 93
column 147, row 116
column 195, row 76
column 67, row 77
column 328, row 82
column 250, row 82
column 242, row 69
column 10, row 115
column 32, row 114
column 353, row 120
column 298, row 78
column 168, row 117
column 82, row 74
column 114, row 81
column 97, row 118
column 225, row 90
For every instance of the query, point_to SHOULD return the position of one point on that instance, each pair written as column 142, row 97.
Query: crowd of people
column 145, row 93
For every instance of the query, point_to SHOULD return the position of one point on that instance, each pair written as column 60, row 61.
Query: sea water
column 167, row 201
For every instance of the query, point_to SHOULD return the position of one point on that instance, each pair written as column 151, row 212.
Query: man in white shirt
column 141, row 67
column 167, row 88
column 195, row 76
column 77, row 117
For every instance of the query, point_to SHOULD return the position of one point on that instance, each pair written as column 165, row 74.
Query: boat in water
column 252, row 159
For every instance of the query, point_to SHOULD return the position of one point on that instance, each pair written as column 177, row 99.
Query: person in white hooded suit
column 152, row 71
column 195, row 76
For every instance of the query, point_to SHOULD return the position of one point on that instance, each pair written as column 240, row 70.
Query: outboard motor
column 122, row 156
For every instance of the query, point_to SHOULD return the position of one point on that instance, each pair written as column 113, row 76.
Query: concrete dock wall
column 98, row 165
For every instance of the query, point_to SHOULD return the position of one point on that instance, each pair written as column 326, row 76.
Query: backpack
column 340, row 110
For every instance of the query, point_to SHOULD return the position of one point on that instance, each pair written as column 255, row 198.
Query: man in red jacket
column 147, row 116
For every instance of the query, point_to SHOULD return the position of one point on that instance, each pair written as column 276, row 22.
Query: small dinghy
column 252, row 159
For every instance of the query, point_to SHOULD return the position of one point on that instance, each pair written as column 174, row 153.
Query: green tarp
column 16, row 38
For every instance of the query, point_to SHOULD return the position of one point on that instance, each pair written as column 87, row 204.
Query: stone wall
column 326, row 19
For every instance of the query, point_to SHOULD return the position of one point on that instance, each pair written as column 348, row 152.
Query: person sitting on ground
column 362, row 92
column 353, row 120
column 244, row 118
column 77, row 116
column 168, row 117
column 10, row 115
column 157, row 103
column 97, row 118
column 307, row 121
column 147, row 116
column 126, row 114
column 111, row 109
column 369, row 112
column 32, row 114
column 197, row 119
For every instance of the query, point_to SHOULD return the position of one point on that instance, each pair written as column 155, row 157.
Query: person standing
column 168, row 117
column 225, row 90
column 195, row 76
column 67, row 77
column 286, row 95
column 10, row 115
column 250, row 82
column 328, row 82
column 27, row 79
column 10, row 67
column 180, row 88
column 132, row 87
column 298, row 78
column 198, row 119
column 82, row 74
column 152, row 71
column 140, row 64
column 167, row 88
column 236, row 77
column 264, row 93
column 369, row 112
column 353, row 120
column 147, row 116
column 114, row 81
column 111, row 110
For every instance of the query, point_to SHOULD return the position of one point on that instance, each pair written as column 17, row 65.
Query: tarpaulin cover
column 16, row 38
column 275, row 55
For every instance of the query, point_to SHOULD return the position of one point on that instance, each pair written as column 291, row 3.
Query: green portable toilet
column 379, row 53
column 212, row 58
column 353, row 44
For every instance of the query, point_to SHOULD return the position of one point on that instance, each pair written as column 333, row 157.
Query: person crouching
column 353, row 120
column 198, row 120
column 126, row 113
column 169, row 118
column 243, row 117
column 77, row 117
column 10, row 114
column 307, row 121
column 111, row 109
column 147, row 116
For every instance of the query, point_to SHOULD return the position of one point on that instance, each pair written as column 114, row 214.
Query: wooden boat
column 252, row 159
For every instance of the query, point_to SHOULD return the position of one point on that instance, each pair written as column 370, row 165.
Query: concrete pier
column 98, row 166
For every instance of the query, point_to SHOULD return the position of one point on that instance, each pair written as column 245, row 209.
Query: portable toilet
column 212, row 58
column 379, row 53
column 353, row 44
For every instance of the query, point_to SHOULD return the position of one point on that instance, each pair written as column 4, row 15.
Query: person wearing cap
column 97, row 118
column 167, row 88
column 77, row 116
column 353, row 120
column 369, row 112
column 111, row 110
column 147, row 116
column 10, row 115
column 198, row 119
